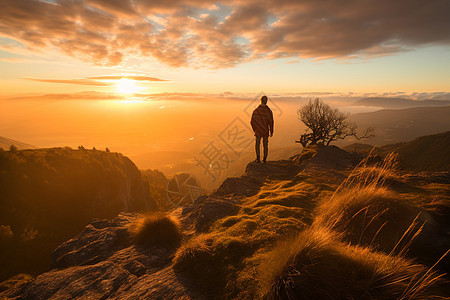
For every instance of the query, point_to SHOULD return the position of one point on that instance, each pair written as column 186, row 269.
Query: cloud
column 97, row 80
column 222, row 34
column 73, row 96
column 16, row 59
column 335, row 98
column 131, row 77
column 72, row 81
column 118, row 7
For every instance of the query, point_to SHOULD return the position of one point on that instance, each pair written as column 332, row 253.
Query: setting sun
column 127, row 86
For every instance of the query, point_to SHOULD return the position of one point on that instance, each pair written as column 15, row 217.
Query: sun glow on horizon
column 127, row 86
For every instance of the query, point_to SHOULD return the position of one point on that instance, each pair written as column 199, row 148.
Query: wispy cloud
column 220, row 34
column 97, row 80
column 73, row 96
column 131, row 77
column 72, row 81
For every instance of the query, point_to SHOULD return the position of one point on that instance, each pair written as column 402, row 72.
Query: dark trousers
column 265, row 146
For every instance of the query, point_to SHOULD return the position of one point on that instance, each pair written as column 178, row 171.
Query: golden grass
column 379, row 174
column 157, row 229
column 213, row 261
column 335, row 258
column 193, row 252
column 371, row 216
column 328, row 248
column 208, row 261
column 316, row 265
column 366, row 212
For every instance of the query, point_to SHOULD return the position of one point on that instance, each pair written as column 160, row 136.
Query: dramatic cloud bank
column 220, row 34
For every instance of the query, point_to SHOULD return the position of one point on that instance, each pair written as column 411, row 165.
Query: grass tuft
column 371, row 216
column 366, row 212
column 203, row 264
column 156, row 230
column 193, row 252
column 381, row 174
column 316, row 265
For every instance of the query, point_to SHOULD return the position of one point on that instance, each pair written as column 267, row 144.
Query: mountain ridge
column 399, row 125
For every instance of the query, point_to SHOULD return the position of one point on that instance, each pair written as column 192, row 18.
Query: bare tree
column 326, row 124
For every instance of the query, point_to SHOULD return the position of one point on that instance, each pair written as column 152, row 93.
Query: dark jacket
column 262, row 120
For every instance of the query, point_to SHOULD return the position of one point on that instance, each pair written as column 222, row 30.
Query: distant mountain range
column 401, row 125
column 5, row 143
column 399, row 102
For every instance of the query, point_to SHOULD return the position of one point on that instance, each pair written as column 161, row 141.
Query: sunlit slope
column 424, row 153
column 430, row 152
column 5, row 143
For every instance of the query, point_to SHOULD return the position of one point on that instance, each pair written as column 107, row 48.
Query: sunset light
column 127, row 86
column 309, row 142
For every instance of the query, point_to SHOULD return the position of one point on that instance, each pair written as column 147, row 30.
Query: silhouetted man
column 262, row 124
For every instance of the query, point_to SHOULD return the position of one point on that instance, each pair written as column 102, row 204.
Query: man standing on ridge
column 262, row 124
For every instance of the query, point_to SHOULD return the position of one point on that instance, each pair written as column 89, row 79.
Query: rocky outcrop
column 226, row 235
column 101, row 263
column 206, row 210
column 95, row 243
column 255, row 176
column 326, row 157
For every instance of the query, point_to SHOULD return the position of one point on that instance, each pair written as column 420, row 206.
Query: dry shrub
column 156, row 230
column 315, row 265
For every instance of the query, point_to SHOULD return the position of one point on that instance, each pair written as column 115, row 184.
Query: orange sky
column 64, row 46
column 141, row 76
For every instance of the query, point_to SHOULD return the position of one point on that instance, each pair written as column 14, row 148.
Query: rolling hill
column 431, row 153
column 5, row 143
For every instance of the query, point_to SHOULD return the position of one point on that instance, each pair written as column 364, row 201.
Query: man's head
column 264, row 100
